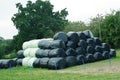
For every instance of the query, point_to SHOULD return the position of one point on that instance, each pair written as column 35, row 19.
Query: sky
column 79, row 10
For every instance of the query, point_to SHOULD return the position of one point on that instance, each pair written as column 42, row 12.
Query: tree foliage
column 76, row 26
column 108, row 27
column 37, row 20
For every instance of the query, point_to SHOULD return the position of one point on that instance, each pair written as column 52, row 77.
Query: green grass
column 101, row 70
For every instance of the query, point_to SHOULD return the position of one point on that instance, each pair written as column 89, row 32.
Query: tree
column 75, row 26
column 37, row 20
column 110, row 29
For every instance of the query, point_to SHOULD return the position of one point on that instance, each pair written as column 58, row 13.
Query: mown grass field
column 102, row 70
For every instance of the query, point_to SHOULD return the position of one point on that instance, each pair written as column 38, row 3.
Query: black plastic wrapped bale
column 90, row 58
column 71, row 52
column 51, row 44
column 36, row 63
column 112, row 53
column 106, row 47
column 19, row 62
column 90, row 42
column 73, row 36
column 81, row 59
column 80, row 51
column 90, row 49
column 0, row 64
column 61, row 36
column 20, row 54
column 58, row 52
column 81, row 35
column 57, row 63
column 98, row 56
column 71, row 44
column 42, row 53
column 98, row 49
column 106, row 55
column 71, row 61
column 82, row 43
column 44, row 62
column 7, row 63
column 88, row 34
column 97, row 41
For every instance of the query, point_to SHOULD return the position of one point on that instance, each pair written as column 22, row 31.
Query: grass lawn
column 101, row 70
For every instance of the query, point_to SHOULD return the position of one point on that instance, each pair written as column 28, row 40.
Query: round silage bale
column 30, row 44
column 90, row 49
column 98, row 49
column 61, row 36
column 26, row 52
column 81, row 35
column 20, row 54
column 42, row 53
column 106, row 47
column 98, row 56
column 32, row 52
column 97, row 41
column 58, row 52
column 90, row 58
column 31, row 61
column 71, row 52
column 36, row 63
column 90, row 42
column 80, row 59
column 51, row 44
column 106, row 55
column 73, row 36
column 19, row 62
column 71, row 44
column 25, row 61
column 44, row 62
column 82, row 43
column 88, row 34
column 80, row 51
column 70, row 61
column 112, row 53
column 56, row 63
column 6, row 63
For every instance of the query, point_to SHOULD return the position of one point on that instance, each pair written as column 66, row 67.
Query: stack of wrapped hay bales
column 64, row 50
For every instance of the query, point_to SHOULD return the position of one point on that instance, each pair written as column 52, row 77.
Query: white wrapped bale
column 25, row 61
column 31, row 61
column 33, row 43
column 30, row 52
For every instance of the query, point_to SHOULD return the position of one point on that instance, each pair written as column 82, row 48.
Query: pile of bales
column 63, row 50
